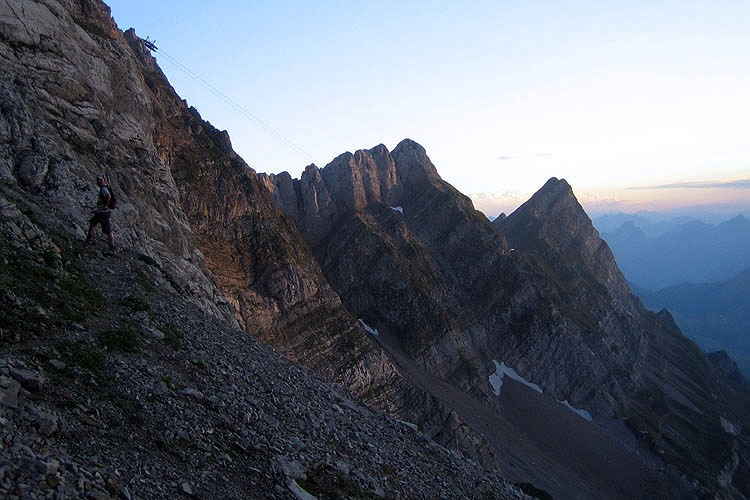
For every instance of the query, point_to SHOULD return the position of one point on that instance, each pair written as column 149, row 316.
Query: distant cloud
column 738, row 184
column 506, row 157
column 494, row 203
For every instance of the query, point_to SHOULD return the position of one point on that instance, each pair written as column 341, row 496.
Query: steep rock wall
column 415, row 261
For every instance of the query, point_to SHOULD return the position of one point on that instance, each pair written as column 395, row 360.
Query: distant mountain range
column 715, row 315
column 700, row 272
column 652, row 226
column 690, row 252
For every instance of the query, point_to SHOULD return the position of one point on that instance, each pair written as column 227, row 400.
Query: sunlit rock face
column 252, row 248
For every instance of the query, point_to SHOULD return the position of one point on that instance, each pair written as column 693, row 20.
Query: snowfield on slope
column 501, row 370
column 369, row 329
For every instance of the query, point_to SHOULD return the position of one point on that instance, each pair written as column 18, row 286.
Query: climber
column 101, row 213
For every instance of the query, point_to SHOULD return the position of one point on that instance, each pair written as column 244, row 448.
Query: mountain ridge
column 692, row 252
column 713, row 314
column 560, row 264
column 207, row 251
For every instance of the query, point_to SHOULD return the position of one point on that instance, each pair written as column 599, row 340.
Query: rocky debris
column 260, row 262
column 135, row 425
column 29, row 380
column 152, row 391
column 9, row 390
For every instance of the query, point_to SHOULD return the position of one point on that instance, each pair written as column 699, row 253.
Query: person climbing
column 102, row 213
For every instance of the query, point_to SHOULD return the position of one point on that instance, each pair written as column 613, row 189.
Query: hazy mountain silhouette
column 715, row 315
column 652, row 224
column 693, row 252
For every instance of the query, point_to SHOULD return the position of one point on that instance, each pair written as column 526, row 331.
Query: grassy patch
column 38, row 281
column 124, row 339
column 136, row 303
column 82, row 354
column 77, row 298
column 172, row 335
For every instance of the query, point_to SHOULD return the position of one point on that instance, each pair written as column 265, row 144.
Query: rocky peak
column 143, row 342
column 553, row 221
column 151, row 334
column 554, row 199
column 414, row 167
column 353, row 181
column 284, row 190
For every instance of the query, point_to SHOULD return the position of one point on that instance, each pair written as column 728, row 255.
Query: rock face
column 72, row 109
column 407, row 253
column 129, row 376
column 391, row 213
column 658, row 379
column 255, row 253
column 727, row 366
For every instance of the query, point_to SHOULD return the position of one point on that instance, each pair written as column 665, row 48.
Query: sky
column 639, row 106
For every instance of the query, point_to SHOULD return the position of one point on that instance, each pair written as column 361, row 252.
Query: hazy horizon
column 638, row 106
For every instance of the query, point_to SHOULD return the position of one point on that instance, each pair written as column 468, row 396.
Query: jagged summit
column 552, row 214
column 556, row 195
column 408, row 253
column 553, row 220
column 352, row 181
column 115, row 365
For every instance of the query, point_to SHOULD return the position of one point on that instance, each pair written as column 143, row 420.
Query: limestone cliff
column 252, row 248
column 72, row 110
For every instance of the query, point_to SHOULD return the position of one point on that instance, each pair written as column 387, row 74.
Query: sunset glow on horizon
column 639, row 106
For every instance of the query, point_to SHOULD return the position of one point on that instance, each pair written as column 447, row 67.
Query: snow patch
column 581, row 413
column 501, row 370
column 369, row 329
column 398, row 209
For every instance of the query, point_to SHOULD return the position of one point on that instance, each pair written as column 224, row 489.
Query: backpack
column 112, row 199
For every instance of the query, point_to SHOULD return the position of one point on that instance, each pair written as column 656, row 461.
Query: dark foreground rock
column 128, row 375
column 201, row 410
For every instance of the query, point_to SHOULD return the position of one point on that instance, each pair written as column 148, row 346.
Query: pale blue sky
column 503, row 95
